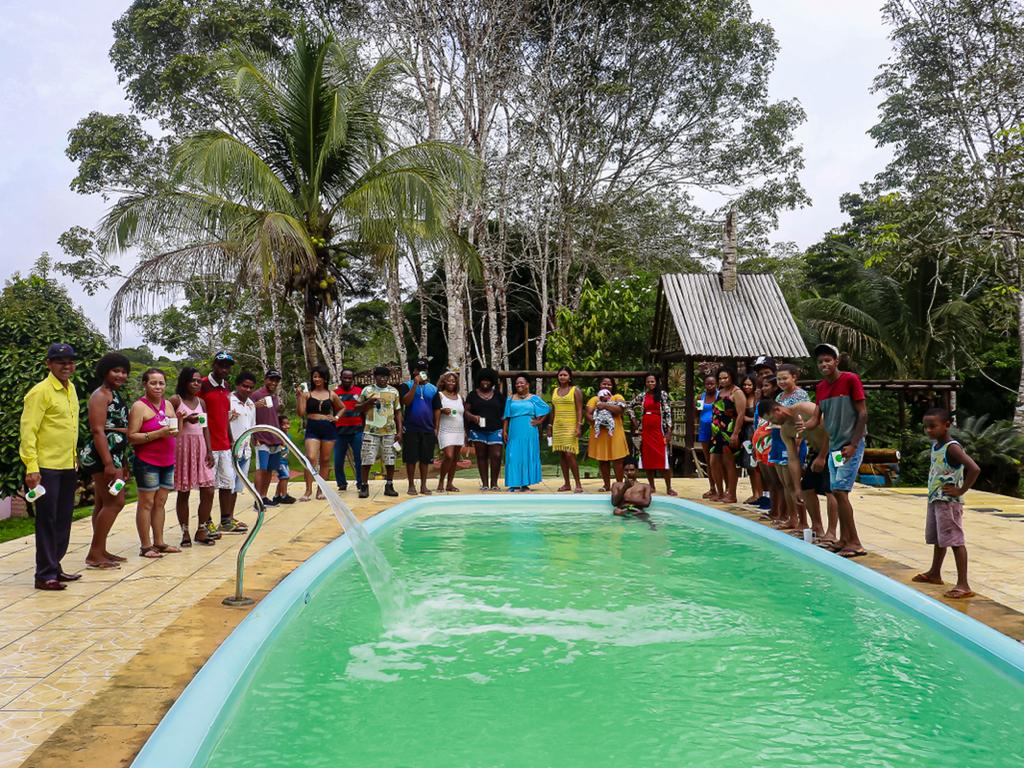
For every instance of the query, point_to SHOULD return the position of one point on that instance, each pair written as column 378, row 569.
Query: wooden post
column 689, row 470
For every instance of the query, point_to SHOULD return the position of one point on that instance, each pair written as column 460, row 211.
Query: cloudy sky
column 54, row 70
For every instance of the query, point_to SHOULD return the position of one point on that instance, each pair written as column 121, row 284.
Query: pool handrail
column 239, row 598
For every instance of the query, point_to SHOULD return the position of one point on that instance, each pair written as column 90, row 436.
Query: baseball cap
column 224, row 357
column 764, row 361
column 60, row 350
column 272, row 373
column 422, row 364
column 827, row 349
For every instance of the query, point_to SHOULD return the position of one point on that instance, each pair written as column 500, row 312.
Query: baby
column 602, row 417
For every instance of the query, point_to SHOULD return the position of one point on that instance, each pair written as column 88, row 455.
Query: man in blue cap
column 49, row 450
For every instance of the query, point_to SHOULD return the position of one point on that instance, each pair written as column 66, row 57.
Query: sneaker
column 270, row 502
column 764, row 503
column 211, row 530
column 232, row 526
column 364, row 492
column 389, row 490
column 343, row 487
column 286, row 499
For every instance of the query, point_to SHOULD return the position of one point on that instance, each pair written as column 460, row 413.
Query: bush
column 998, row 449
column 35, row 312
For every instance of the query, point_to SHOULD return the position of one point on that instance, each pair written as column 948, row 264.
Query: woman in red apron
column 655, row 427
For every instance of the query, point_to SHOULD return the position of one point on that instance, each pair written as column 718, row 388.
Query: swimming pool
column 545, row 632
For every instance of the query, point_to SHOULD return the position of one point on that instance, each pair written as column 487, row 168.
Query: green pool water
column 576, row 639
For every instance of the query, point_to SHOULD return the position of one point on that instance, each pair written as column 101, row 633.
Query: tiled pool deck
column 85, row 674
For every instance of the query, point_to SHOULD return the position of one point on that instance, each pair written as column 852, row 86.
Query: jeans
column 342, row 445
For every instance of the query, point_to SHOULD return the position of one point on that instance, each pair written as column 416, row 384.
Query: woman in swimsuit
column 726, row 426
column 318, row 406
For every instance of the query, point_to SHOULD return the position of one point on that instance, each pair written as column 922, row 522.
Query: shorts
column 283, row 470
column 487, row 436
column 841, row 478
column 321, row 429
column 720, row 442
column 382, row 444
column 815, row 481
column 779, row 453
column 243, row 465
column 944, row 525
column 704, row 432
column 223, row 471
column 149, row 477
column 418, row 447
column 268, row 457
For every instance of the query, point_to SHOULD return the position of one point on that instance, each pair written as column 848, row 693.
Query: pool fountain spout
column 389, row 591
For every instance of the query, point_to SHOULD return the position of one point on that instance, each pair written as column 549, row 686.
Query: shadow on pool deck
column 86, row 676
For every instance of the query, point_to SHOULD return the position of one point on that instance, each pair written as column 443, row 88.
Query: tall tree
column 953, row 111
column 306, row 182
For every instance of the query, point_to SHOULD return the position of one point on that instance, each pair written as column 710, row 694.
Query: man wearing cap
column 350, row 431
column 269, row 447
column 844, row 411
column 764, row 366
column 49, row 447
column 216, row 395
column 419, row 440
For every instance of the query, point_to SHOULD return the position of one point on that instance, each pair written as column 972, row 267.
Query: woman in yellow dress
column 609, row 447
column 564, row 428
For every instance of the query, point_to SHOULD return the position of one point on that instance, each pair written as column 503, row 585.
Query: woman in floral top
column 652, row 415
column 104, row 456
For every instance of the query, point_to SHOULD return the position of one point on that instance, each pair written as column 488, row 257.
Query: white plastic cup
column 267, row 402
column 172, row 422
column 202, row 419
column 116, row 487
column 551, row 441
column 305, row 387
column 808, row 535
column 838, row 459
column 34, row 494
column 423, row 375
column 397, row 446
column 483, row 422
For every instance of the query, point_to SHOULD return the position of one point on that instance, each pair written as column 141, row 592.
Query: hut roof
column 695, row 317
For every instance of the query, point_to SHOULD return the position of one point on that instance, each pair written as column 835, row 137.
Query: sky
column 54, row 70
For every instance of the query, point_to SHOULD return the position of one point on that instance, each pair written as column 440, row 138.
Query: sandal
column 578, row 489
column 924, row 578
column 186, row 540
column 103, row 565
column 151, row 553
column 206, row 541
column 958, row 593
column 564, row 489
column 166, row 549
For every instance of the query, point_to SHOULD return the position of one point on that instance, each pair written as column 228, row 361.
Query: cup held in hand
column 34, row 494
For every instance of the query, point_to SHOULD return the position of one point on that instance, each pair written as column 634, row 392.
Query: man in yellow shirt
column 49, row 450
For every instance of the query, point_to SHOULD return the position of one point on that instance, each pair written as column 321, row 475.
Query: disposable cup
column 116, row 487
column 202, row 419
column 34, row 494
column 267, row 402
column 551, row 441
column 483, row 422
column 838, row 459
column 808, row 535
column 397, row 446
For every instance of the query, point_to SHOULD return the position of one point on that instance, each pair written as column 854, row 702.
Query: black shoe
column 270, row 502
column 364, row 492
column 343, row 487
column 389, row 490
column 286, row 499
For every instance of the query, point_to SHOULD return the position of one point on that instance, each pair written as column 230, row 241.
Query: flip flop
column 924, row 578
column 958, row 594
column 150, row 553
column 849, row 554
column 831, row 546
column 577, row 489
column 672, row 493
column 104, row 566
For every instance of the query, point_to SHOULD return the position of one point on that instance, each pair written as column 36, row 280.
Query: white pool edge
column 187, row 732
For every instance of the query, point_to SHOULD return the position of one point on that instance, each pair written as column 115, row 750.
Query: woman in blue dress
column 524, row 413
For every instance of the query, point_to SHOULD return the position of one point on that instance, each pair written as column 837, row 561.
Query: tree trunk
column 1018, row 413
column 395, row 314
column 309, row 337
column 275, row 320
column 455, row 289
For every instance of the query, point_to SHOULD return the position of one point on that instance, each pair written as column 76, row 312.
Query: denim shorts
column 488, row 436
column 321, row 429
column 149, row 477
column 283, row 471
column 268, row 457
column 841, row 478
column 243, row 465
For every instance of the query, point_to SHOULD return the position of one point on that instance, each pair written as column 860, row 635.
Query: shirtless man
column 630, row 498
column 792, row 421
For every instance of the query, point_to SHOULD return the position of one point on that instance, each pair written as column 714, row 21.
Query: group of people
column 795, row 450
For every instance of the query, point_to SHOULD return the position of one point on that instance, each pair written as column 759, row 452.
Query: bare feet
column 710, row 495
column 670, row 492
column 927, row 578
column 426, row 491
column 452, row 489
column 578, row 489
column 412, row 491
column 114, row 558
column 728, row 499
column 604, row 489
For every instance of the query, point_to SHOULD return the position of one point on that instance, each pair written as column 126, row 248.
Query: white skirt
column 445, row 439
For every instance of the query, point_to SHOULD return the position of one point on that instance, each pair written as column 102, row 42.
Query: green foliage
column 609, row 330
column 35, row 312
column 998, row 449
column 112, row 152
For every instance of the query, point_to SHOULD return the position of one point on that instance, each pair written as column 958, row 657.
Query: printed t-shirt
column 349, row 421
column 241, row 417
column 268, row 416
column 380, row 420
column 419, row 414
column 217, row 398
column 836, row 400
column 493, row 410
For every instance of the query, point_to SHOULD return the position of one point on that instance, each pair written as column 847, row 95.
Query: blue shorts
column 268, row 457
column 321, row 429
column 149, row 477
column 488, row 436
column 283, row 471
column 779, row 454
column 704, row 432
column 243, row 469
column 841, row 478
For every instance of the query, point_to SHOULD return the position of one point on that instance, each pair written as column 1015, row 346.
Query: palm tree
column 909, row 325
column 299, row 177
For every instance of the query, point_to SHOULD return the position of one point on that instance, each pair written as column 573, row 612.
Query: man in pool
column 629, row 497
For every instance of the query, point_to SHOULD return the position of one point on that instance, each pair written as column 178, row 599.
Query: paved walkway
column 60, row 652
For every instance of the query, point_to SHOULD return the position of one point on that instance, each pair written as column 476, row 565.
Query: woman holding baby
column 607, row 436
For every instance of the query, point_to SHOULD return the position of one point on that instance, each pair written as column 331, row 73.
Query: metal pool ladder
column 239, row 599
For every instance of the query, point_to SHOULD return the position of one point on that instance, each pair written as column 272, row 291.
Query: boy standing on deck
column 951, row 474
